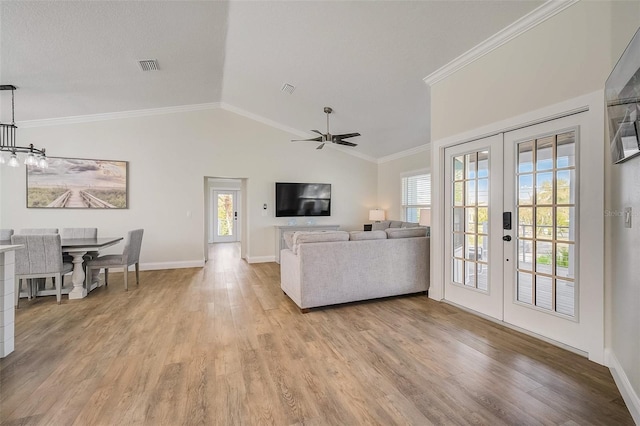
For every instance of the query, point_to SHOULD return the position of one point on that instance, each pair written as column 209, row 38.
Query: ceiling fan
column 328, row 137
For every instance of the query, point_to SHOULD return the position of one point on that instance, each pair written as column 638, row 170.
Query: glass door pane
column 470, row 217
column 225, row 215
column 546, row 219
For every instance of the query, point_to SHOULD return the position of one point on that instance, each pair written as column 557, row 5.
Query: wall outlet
column 627, row 217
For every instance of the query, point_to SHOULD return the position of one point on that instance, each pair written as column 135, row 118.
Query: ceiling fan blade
column 317, row 131
column 318, row 139
column 346, row 135
column 341, row 142
column 320, row 146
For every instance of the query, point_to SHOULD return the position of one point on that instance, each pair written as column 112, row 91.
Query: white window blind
column 416, row 195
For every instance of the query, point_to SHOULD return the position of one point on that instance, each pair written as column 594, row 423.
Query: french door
column 473, row 246
column 225, row 217
column 512, row 230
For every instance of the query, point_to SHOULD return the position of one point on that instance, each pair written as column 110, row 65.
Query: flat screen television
column 303, row 199
column 622, row 93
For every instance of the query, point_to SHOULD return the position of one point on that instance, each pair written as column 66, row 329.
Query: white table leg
column 77, row 277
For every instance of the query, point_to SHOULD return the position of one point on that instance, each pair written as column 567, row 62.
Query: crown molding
column 264, row 120
column 179, row 109
column 117, row 115
column 406, row 153
column 522, row 25
column 352, row 152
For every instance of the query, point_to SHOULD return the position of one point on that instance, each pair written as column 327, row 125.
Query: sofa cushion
column 395, row 224
column 304, row 237
column 409, row 225
column 288, row 239
column 367, row 235
column 406, row 232
column 380, row 226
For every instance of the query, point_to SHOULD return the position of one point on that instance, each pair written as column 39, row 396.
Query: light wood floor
column 223, row 345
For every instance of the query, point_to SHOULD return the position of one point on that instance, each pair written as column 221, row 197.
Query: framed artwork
column 77, row 183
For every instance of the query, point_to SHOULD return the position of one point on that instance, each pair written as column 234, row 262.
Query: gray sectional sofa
column 332, row 267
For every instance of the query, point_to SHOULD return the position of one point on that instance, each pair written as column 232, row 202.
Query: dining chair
column 41, row 257
column 130, row 256
column 79, row 232
column 5, row 234
column 35, row 231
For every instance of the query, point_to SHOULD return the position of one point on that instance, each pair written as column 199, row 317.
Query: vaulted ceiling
column 365, row 59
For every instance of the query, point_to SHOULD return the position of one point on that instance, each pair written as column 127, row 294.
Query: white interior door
column 225, row 217
column 473, row 223
column 546, row 290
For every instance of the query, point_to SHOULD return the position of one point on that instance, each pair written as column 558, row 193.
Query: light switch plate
column 627, row 217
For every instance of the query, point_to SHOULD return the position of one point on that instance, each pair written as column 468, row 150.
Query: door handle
column 506, row 238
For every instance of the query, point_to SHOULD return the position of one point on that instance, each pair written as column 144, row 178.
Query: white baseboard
column 261, row 259
column 629, row 395
column 172, row 265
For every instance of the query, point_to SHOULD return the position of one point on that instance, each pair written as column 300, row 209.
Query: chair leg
column 58, row 282
column 126, row 275
column 137, row 273
column 18, row 282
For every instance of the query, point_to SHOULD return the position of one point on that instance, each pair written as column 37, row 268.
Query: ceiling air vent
column 288, row 88
column 149, row 65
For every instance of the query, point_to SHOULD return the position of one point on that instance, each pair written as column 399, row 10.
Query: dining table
column 77, row 248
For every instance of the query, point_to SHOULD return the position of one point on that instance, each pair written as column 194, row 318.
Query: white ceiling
column 366, row 59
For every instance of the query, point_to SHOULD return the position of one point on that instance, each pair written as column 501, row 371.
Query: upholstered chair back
column 41, row 254
column 5, row 234
column 79, row 233
column 131, row 252
column 33, row 231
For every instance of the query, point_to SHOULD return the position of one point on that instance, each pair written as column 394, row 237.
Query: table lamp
column 425, row 220
column 425, row 217
column 376, row 215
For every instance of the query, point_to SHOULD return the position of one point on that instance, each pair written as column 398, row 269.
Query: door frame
column 592, row 105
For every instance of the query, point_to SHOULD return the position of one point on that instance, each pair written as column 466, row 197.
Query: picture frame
column 78, row 183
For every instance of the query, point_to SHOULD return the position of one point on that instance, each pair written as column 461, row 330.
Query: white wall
column 568, row 56
column 169, row 155
column 563, row 58
column 390, row 173
column 622, row 185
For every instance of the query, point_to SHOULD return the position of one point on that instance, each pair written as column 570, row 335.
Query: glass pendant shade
column 13, row 160
column 30, row 160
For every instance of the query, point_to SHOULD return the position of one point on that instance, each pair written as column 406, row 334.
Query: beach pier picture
column 75, row 183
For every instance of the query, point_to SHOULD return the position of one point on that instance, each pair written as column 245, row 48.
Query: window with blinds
column 416, row 195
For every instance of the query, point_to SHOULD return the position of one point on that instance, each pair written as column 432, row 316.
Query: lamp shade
column 425, row 217
column 376, row 214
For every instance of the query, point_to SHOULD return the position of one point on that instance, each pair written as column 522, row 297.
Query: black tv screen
column 303, row 199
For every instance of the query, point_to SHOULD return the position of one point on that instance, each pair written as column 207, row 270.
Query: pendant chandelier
column 34, row 157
